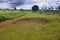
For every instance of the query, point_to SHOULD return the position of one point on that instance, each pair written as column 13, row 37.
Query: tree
column 44, row 8
column 51, row 8
column 58, row 7
column 35, row 8
column 15, row 8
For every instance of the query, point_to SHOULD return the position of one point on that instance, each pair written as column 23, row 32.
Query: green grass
column 11, row 14
column 25, row 14
column 30, row 30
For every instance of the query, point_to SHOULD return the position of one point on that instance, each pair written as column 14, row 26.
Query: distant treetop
column 35, row 8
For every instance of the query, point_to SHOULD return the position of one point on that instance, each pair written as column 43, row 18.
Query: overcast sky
column 27, row 3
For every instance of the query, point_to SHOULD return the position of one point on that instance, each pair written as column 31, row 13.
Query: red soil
column 39, row 20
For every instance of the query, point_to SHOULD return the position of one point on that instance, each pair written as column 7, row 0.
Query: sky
column 27, row 4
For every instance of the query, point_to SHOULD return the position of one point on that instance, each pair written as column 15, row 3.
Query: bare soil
column 14, row 21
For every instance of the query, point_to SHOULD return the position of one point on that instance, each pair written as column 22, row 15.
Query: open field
column 25, row 25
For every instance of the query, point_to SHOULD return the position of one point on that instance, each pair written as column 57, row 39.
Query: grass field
column 25, row 25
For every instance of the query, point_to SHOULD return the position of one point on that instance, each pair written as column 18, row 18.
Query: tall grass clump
column 8, row 15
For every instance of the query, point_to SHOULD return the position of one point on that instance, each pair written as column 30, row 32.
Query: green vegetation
column 30, row 30
column 8, row 15
column 35, row 8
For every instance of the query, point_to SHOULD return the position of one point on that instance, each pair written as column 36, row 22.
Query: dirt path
column 14, row 21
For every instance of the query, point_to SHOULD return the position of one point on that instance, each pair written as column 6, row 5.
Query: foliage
column 15, row 8
column 35, row 8
column 21, row 10
column 30, row 30
column 8, row 15
column 58, row 7
column 2, row 18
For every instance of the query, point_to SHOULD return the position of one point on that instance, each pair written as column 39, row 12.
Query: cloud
column 40, row 3
column 10, row 3
column 4, row 6
column 27, row 3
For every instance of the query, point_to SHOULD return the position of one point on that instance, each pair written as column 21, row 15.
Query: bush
column 21, row 10
column 2, row 18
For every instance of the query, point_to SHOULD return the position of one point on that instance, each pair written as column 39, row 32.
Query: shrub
column 21, row 9
column 2, row 18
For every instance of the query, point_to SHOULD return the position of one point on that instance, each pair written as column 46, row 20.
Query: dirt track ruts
column 14, row 21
